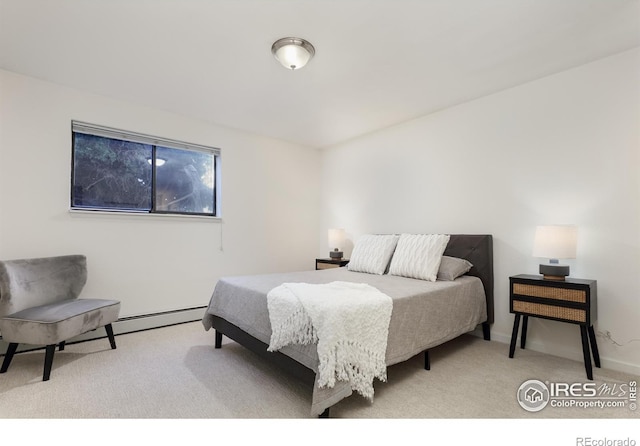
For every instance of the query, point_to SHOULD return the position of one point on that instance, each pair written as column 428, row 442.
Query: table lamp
column 336, row 240
column 555, row 242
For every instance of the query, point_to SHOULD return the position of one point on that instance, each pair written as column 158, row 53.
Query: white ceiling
column 378, row 62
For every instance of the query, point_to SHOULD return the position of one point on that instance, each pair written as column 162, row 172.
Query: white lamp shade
column 336, row 238
column 556, row 242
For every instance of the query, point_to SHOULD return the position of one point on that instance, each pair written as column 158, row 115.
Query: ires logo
column 575, row 390
column 534, row 395
column 591, row 390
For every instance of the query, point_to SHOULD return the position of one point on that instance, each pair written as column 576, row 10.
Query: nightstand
column 331, row 263
column 572, row 300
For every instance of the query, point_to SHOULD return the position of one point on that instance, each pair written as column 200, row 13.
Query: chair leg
column 11, row 350
column 61, row 345
column 48, row 361
column 112, row 338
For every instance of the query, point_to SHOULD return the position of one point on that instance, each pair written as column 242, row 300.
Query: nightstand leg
column 523, row 335
column 514, row 335
column 586, row 352
column 594, row 346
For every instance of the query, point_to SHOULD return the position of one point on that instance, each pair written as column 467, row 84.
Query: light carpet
column 175, row 373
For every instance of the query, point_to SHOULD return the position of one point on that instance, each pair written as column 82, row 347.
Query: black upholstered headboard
column 477, row 249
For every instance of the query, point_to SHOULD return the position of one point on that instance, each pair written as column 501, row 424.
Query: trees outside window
column 118, row 171
column 184, row 181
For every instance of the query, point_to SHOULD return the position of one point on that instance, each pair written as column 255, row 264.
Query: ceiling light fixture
column 293, row 52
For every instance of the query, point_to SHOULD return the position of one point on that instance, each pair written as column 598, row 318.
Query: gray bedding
column 425, row 314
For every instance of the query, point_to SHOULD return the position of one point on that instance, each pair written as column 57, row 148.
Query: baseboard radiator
column 130, row 324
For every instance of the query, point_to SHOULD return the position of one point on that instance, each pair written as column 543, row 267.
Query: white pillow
column 372, row 253
column 418, row 256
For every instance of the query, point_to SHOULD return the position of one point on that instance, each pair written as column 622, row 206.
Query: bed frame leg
column 218, row 339
column 325, row 414
column 486, row 333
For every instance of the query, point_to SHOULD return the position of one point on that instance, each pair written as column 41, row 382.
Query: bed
column 424, row 313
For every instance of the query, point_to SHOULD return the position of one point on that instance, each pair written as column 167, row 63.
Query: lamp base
column 336, row 254
column 554, row 272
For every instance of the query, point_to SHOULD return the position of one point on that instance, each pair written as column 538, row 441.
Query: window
column 121, row 171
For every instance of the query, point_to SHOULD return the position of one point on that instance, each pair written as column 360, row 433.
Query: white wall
column 270, row 202
column 563, row 149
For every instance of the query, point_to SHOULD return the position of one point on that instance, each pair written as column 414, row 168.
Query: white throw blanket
column 349, row 322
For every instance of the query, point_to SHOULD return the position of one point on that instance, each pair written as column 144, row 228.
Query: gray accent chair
column 39, row 305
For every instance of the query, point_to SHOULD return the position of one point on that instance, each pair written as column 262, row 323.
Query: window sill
column 143, row 214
